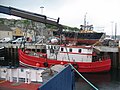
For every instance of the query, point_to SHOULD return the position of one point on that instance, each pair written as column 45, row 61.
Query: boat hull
column 81, row 38
column 87, row 67
column 83, row 41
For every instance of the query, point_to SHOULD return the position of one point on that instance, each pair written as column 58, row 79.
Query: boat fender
column 75, row 66
column 61, row 63
column 45, row 64
column 37, row 64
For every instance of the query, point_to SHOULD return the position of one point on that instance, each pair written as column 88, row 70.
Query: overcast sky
column 103, row 14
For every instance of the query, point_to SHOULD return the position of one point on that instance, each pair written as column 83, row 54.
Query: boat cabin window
column 22, row 70
column 51, row 47
column 79, row 50
column 54, row 47
column 70, row 50
column 48, row 47
column 62, row 49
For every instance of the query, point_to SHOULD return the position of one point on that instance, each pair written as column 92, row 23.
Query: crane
column 31, row 16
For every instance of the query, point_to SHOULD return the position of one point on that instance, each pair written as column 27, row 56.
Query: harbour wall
column 9, row 57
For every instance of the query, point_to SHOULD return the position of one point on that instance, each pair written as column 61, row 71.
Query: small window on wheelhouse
column 79, row 50
column 51, row 47
column 70, row 50
column 62, row 49
column 54, row 47
column 48, row 47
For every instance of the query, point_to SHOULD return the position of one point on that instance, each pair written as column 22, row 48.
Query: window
column 62, row 49
column 54, row 47
column 22, row 70
column 48, row 47
column 79, row 50
column 51, row 47
column 70, row 50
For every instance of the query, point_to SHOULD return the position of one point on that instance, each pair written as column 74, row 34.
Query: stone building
column 5, row 31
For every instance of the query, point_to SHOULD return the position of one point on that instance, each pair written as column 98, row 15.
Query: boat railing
column 63, row 77
column 101, row 58
column 93, row 86
column 32, row 53
column 105, row 57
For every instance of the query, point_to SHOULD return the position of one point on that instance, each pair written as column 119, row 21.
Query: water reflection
column 103, row 81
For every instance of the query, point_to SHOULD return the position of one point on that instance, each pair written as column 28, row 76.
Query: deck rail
column 64, row 80
column 93, row 86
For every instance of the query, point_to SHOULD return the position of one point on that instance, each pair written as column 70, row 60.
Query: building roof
column 4, row 28
column 17, row 32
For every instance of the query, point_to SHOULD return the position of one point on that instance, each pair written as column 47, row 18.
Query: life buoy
column 45, row 64
column 75, row 66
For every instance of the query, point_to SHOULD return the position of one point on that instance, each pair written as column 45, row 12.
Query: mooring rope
column 84, row 78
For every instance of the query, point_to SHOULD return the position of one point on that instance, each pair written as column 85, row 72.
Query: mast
column 115, row 30
column 112, row 29
column 85, row 20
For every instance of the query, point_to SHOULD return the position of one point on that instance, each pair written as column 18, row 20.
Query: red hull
column 98, row 66
column 83, row 41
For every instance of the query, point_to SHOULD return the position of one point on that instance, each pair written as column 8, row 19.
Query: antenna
column 85, row 20
column 112, row 29
column 115, row 30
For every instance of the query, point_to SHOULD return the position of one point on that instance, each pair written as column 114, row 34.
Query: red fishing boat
column 83, row 58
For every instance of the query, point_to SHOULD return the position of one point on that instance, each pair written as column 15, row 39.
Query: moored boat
column 83, row 58
column 86, row 35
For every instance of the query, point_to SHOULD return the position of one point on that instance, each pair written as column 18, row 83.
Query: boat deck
column 6, row 85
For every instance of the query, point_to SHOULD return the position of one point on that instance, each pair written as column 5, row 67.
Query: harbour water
column 103, row 81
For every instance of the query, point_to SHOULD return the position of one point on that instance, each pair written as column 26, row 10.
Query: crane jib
column 29, row 15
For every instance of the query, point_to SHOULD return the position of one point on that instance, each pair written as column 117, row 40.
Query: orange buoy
column 61, row 63
column 37, row 64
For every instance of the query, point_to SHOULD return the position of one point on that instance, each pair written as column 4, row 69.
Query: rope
column 67, row 54
column 84, row 78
